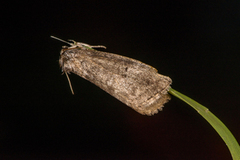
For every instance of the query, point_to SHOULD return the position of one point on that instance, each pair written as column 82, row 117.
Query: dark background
column 196, row 43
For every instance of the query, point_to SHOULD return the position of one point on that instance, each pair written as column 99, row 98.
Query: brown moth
column 134, row 83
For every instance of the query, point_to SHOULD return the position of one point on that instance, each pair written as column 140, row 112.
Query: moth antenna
column 70, row 85
column 61, row 40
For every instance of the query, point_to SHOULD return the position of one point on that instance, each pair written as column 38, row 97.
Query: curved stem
column 221, row 129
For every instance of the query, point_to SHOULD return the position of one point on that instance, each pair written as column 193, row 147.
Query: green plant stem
column 221, row 129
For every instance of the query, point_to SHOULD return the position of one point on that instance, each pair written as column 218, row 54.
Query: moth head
column 73, row 44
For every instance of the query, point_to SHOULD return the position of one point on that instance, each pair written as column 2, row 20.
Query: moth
column 134, row 83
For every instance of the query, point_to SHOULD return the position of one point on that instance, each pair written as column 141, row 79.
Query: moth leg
column 87, row 45
column 70, row 85
column 98, row 46
column 74, row 42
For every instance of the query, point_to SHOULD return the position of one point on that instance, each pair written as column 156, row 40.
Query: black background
column 196, row 43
